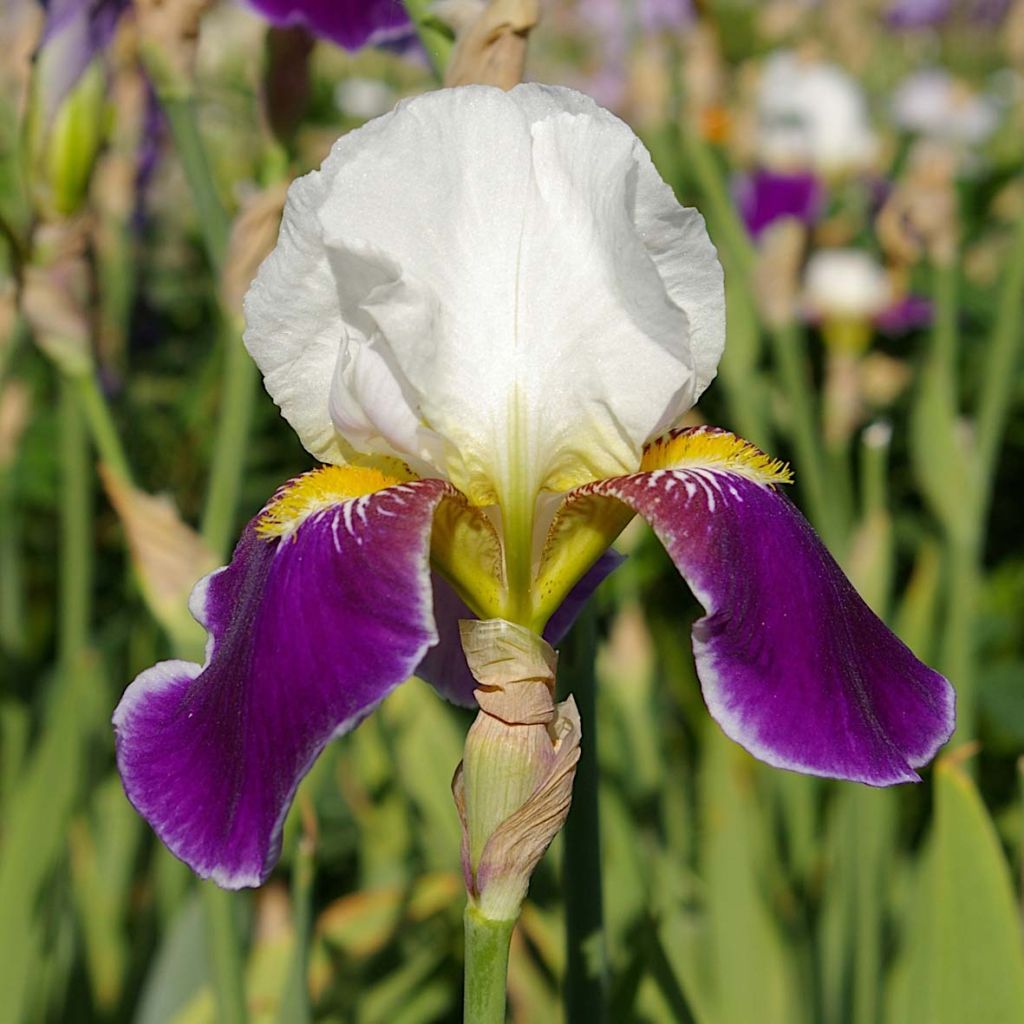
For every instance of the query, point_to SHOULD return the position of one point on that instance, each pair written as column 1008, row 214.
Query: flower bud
column 514, row 786
column 490, row 40
column 64, row 144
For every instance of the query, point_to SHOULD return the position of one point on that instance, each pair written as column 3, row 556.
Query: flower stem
column 225, row 955
column 213, row 218
column 788, row 350
column 586, row 977
column 76, row 538
column 487, row 944
column 1000, row 372
column 225, row 476
column 101, row 425
column 230, row 447
column 436, row 44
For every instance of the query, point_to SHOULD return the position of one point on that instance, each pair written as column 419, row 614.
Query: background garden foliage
column 732, row 892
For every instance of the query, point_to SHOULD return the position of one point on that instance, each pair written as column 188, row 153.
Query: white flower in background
column 363, row 97
column 933, row 103
column 845, row 284
column 812, row 114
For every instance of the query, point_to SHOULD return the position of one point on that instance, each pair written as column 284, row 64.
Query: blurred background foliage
column 732, row 892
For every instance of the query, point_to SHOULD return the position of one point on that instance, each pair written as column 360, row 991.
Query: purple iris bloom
column 352, row 24
column 764, row 197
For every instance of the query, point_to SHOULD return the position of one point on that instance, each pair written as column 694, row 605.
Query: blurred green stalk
column 76, row 531
column 787, row 340
column 436, row 43
column 294, row 1008
column 238, row 399
column 487, row 944
column 1001, row 371
column 586, row 974
column 225, row 484
column 100, row 423
column 214, row 221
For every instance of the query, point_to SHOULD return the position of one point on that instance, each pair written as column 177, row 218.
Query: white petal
column 495, row 284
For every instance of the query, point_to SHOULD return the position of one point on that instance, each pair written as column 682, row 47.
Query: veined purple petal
column 444, row 666
column 74, row 32
column 349, row 23
column 764, row 197
column 309, row 631
column 794, row 665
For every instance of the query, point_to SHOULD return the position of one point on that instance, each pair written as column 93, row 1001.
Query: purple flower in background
column 913, row 14
column 909, row 313
column 764, row 197
column 917, row 13
column 73, row 33
column 665, row 15
column 490, row 427
column 349, row 23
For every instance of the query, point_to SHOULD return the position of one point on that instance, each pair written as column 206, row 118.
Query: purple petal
column 349, row 23
column 764, row 197
column 308, row 633
column 74, row 32
column 444, row 666
column 794, row 665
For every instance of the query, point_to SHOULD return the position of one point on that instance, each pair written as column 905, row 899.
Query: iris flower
column 486, row 314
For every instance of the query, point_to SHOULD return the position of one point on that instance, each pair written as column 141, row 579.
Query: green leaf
column 964, row 957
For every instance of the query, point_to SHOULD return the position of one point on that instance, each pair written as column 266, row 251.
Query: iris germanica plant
column 486, row 315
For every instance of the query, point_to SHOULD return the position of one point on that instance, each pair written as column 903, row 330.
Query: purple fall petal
column 349, row 23
column 308, row 633
column 444, row 666
column 764, row 197
column 794, row 665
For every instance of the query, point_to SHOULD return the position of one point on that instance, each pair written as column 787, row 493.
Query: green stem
column 1000, row 377
column 789, row 353
column 487, row 944
column 230, row 446
column 225, row 955
column 787, row 342
column 294, row 1007
column 957, row 654
column 12, row 594
column 76, row 531
column 719, row 206
column 436, row 43
column 101, row 425
column 213, row 218
column 226, row 473
column 586, row 977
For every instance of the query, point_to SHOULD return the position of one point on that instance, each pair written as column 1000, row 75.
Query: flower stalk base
column 487, row 945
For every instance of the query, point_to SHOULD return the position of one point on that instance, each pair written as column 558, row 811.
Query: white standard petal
column 496, row 285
